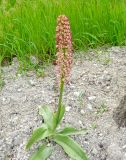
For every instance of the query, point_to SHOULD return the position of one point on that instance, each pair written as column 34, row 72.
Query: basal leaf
column 42, row 153
column 72, row 131
column 38, row 134
column 54, row 120
column 62, row 111
column 60, row 116
column 47, row 115
column 70, row 147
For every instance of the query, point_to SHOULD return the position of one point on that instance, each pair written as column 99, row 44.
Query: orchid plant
column 50, row 131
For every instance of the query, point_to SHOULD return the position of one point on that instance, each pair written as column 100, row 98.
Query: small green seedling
column 81, row 99
column 106, row 61
column 103, row 108
column 93, row 125
column 40, row 72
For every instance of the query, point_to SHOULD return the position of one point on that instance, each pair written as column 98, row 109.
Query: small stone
column 23, row 99
column 6, row 100
column 19, row 89
column 100, row 134
column 77, row 93
column 80, row 122
column 105, row 72
column 124, row 147
column 32, row 83
column 89, row 106
column 48, row 144
column 68, row 109
column 19, row 75
column 92, row 98
column 82, row 112
column 108, row 87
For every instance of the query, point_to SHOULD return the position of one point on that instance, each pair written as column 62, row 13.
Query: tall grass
column 28, row 26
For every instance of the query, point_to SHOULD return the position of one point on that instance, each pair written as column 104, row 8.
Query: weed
column 103, row 108
column 81, row 99
column 94, row 125
column 40, row 72
column 106, row 61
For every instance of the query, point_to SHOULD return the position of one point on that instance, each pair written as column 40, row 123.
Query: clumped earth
column 94, row 99
column 120, row 113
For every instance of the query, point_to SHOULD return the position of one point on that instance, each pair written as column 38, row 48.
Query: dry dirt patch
column 97, row 86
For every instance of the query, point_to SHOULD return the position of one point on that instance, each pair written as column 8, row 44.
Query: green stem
column 60, row 98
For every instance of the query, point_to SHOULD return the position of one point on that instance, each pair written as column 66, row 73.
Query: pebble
column 32, row 83
column 68, row 109
column 92, row 98
column 5, row 100
column 80, row 122
column 77, row 93
column 82, row 112
column 19, row 75
column 89, row 106
column 19, row 90
column 124, row 147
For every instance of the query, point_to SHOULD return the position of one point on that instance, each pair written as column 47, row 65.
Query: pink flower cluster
column 63, row 49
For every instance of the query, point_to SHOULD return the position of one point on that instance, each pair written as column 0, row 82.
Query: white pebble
column 77, row 93
column 89, row 106
column 68, row 109
column 32, row 82
column 80, row 122
column 82, row 111
column 91, row 98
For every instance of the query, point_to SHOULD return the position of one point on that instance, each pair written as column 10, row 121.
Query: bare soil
column 96, row 90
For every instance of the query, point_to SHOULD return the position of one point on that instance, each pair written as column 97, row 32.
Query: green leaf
column 38, row 134
column 72, row 131
column 47, row 115
column 60, row 117
column 57, row 119
column 54, row 120
column 62, row 111
column 70, row 147
column 42, row 153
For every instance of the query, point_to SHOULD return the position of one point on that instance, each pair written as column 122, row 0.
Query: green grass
column 28, row 26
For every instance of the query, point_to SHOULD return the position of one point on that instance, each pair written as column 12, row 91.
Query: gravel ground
column 98, row 83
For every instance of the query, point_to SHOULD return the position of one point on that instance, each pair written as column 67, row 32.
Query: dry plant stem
column 60, row 98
